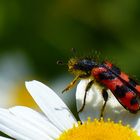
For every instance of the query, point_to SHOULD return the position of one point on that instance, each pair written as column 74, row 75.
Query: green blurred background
column 35, row 34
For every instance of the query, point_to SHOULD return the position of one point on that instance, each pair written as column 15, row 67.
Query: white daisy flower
column 113, row 110
column 3, row 138
column 56, row 122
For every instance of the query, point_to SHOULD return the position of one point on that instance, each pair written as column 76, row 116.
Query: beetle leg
column 85, row 95
column 71, row 84
column 105, row 97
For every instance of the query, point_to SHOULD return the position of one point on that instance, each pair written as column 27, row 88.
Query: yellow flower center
column 100, row 130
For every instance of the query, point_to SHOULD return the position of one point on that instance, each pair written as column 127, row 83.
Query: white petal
column 53, row 107
column 37, row 120
column 94, row 100
column 12, row 133
column 18, row 128
column 113, row 110
column 3, row 138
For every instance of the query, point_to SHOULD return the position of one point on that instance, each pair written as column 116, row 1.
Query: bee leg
column 86, row 90
column 71, row 84
column 105, row 97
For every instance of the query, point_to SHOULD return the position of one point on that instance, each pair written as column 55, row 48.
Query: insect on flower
column 124, row 88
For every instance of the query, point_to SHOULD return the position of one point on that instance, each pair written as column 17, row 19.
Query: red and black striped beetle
column 125, row 89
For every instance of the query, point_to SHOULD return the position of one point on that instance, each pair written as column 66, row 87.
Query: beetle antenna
column 59, row 62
